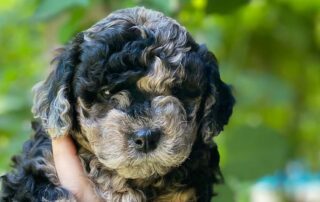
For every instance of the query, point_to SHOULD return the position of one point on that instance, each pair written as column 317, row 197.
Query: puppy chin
column 152, row 166
column 143, row 171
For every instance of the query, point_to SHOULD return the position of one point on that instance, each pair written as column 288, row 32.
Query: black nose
column 146, row 140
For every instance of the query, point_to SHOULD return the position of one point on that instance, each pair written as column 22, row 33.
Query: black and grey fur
column 136, row 70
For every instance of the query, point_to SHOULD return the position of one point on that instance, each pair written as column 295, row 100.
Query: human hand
column 70, row 171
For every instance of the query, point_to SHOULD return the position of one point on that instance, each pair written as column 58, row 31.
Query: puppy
column 142, row 100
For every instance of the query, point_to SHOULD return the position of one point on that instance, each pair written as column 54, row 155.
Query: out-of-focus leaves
column 225, row 193
column 166, row 6
column 210, row 34
column 223, row 7
column 21, row 62
column 252, row 152
column 14, row 145
column 7, row 5
column 253, row 88
column 302, row 6
column 71, row 26
column 317, row 31
column 49, row 8
column 12, row 103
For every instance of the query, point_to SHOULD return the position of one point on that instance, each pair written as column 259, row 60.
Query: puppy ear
column 219, row 101
column 52, row 97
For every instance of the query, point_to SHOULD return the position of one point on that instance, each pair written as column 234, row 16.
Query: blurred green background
column 269, row 50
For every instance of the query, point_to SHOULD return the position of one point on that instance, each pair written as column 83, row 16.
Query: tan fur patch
column 158, row 80
column 188, row 195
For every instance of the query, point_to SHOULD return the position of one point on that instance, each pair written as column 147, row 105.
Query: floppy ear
column 52, row 97
column 219, row 101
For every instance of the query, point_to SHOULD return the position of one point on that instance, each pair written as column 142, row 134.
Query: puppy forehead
column 143, row 40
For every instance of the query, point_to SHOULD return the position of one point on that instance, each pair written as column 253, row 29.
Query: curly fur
column 135, row 69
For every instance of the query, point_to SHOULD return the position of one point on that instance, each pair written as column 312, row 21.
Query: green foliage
column 246, row 160
column 224, row 7
column 268, row 50
column 50, row 8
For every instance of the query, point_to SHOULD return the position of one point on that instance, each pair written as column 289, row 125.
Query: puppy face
column 138, row 90
column 137, row 122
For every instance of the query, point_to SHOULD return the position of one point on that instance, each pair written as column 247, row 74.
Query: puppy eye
column 105, row 92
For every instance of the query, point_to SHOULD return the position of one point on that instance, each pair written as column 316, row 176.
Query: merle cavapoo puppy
column 142, row 100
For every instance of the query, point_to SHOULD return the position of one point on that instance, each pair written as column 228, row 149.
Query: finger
column 69, row 168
